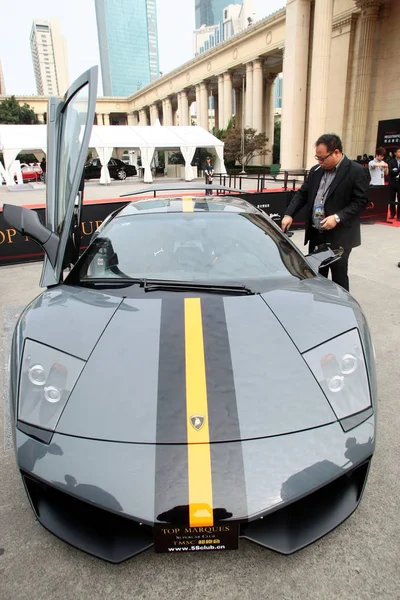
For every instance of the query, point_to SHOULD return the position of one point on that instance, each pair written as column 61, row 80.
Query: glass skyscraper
column 128, row 44
column 209, row 12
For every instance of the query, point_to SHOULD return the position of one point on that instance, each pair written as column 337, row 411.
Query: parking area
column 359, row 560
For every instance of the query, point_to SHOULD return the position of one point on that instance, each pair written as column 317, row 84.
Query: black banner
column 15, row 248
column 389, row 134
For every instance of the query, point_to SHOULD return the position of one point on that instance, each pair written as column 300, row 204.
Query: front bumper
column 104, row 497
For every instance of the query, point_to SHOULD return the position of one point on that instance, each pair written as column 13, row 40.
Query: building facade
column 128, row 45
column 2, row 84
column 340, row 65
column 49, row 56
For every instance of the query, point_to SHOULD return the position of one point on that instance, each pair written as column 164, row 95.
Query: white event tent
column 105, row 138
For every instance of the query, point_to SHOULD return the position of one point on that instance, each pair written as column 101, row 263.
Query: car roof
column 181, row 204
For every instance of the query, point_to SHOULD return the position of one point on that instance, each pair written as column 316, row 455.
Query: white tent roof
column 16, row 138
column 125, row 136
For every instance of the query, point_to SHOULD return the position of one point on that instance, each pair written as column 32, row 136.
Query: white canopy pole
column 219, row 166
column 147, row 156
column 10, row 154
column 4, row 174
column 104, row 156
column 188, row 153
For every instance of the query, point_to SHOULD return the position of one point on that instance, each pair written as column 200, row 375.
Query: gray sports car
column 192, row 380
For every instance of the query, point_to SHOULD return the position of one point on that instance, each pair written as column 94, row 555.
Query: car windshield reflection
column 214, row 247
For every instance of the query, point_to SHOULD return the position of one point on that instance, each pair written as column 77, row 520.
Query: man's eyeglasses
column 322, row 158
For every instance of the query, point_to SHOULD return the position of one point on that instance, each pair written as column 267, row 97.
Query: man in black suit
column 394, row 184
column 334, row 195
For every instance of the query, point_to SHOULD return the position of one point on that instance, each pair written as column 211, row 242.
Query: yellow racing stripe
column 198, row 437
column 187, row 203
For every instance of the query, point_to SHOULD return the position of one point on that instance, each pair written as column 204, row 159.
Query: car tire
column 121, row 174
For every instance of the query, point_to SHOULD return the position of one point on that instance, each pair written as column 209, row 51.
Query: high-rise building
column 2, row 84
column 49, row 56
column 209, row 12
column 128, row 44
column 219, row 21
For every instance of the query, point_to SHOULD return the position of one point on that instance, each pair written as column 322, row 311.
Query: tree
column 254, row 145
column 11, row 113
column 222, row 133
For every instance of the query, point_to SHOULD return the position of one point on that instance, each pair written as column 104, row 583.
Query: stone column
column 198, row 105
column 106, row 118
column 131, row 119
column 368, row 20
column 295, row 67
column 269, row 110
column 248, row 117
column 99, row 117
column 179, row 110
column 190, row 111
column 318, row 94
column 154, row 114
column 216, row 111
column 168, row 119
column 184, row 120
column 142, row 117
column 204, row 104
column 221, row 119
column 227, row 98
column 257, row 96
column 239, row 108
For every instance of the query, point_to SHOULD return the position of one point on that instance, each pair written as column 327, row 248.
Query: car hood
column 135, row 387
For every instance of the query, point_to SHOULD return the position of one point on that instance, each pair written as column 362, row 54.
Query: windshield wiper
column 151, row 285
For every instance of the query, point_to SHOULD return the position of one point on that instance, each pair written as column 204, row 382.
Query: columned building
column 340, row 65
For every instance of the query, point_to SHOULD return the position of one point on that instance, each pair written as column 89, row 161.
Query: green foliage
column 176, row 158
column 27, row 158
column 222, row 133
column 161, row 160
column 11, row 113
column 254, row 145
column 276, row 151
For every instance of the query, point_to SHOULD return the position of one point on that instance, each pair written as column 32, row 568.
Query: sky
column 77, row 18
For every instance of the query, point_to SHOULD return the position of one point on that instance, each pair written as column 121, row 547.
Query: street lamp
column 242, row 172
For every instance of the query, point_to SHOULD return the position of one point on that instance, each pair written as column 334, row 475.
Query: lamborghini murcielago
column 191, row 380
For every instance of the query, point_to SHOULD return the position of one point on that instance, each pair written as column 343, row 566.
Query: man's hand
column 286, row 222
column 328, row 222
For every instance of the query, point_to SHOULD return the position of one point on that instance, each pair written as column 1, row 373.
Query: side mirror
column 27, row 222
column 323, row 256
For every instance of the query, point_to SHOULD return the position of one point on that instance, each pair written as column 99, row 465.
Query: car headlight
column 47, row 378
column 339, row 367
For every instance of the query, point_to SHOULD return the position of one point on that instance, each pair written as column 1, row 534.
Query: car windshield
column 208, row 247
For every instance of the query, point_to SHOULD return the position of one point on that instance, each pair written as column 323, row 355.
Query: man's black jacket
column 394, row 172
column 347, row 197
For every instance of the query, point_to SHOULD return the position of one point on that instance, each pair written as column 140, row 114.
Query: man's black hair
column 331, row 141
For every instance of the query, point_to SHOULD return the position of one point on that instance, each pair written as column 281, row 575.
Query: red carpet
column 391, row 222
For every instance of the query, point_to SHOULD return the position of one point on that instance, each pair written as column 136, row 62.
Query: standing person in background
column 334, row 194
column 378, row 168
column 394, row 182
column 209, row 171
column 43, row 167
